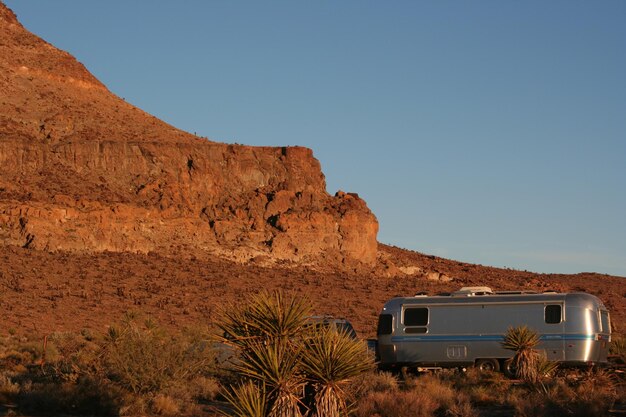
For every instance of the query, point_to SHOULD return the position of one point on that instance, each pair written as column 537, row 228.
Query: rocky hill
column 105, row 209
column 83, row 170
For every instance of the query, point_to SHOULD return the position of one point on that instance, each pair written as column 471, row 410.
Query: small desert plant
column 145, row 359
column 373, row 381
column 425, row 396
column 523, row 341
column 330, row 359
column 485, row 388
column 545, row 368
column 205, row 388
column 591, row 396
column 401, row 404
column 247, row 400
column 165, row 405
column 618, row 348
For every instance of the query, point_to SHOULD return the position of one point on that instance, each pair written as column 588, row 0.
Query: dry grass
column 423, row 396
column 590, row 394
column 164, row 405
column 79, row 374
column 73, row 380
column 482, row 388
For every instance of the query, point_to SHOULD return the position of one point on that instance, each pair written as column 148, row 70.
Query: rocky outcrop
column 83, row 170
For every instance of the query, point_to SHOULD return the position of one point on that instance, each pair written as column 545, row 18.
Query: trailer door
column 552, row 336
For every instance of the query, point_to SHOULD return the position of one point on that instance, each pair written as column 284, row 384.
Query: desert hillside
column 105, row 209
column 44, row 292
column 82, row 170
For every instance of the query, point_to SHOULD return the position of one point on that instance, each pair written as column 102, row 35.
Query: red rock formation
column 82, row 170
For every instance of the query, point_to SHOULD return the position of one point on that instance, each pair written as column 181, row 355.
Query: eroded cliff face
column 82, row 170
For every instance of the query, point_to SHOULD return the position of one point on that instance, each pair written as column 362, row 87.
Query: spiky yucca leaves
column 247, row 399
column 330, row 359
column 545, row 368
column 267, row 333
column 523, row 341
column 276, row 367
column 268, row 316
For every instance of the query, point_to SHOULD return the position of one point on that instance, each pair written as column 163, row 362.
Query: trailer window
column 416, row 317
column 606, row 322
column 385, row 324
column 553, row 314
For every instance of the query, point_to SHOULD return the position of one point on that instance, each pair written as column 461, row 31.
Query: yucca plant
column 545, row 368
column 282, row 354
column 247, row 400
column 330, row 359
column 268, row 316
column 276, row 367
column 523, row 341
column 267, row 332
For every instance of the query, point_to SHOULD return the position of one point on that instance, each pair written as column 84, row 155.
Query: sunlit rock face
column 83, row 170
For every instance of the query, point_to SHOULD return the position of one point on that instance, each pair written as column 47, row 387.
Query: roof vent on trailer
column 472, row 291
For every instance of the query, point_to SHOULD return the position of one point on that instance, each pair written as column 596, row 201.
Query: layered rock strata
column 83, row 170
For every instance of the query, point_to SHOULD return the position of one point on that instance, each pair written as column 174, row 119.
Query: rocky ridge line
column 83, row 170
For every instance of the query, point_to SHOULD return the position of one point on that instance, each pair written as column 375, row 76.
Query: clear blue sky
column 491, row 132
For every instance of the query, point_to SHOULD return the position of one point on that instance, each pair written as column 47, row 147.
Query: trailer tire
column 509, row 370
column 488, row 365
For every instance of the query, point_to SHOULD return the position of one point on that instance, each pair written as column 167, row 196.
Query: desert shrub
column 449, row 401
column 61, row 375
column 70, row 357
column 205, row 388
column 165, row 405
column 57, row 376
column 146, row 359
column 589, row 396
column 84, row 397
column 8, row 388
column 401, row 404
column 427, row 395
column 480, row 387
column 132, row 370
column 373, row 381
column 618, row 348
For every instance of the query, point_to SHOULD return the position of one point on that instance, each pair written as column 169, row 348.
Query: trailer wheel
column 491, row 365
column 509, row 369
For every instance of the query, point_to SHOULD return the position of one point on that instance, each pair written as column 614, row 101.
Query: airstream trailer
column 467, row 328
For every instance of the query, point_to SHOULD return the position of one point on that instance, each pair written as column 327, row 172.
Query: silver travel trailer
column 467, row 328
